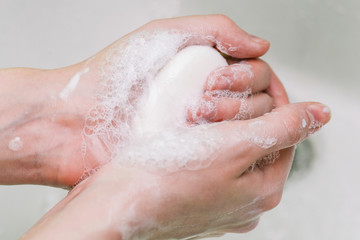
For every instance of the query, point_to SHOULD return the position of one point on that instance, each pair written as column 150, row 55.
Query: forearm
column 89, row 211
column 30, row 122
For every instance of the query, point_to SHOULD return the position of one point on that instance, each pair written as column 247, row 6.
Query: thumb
column 284, row 127
column 288, row 125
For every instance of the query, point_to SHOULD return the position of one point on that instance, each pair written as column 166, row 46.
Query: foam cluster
column 245, row 110
column 149, row 84
column 183, row 148
column 264, row 161
column 140, row 115
column 130, row 65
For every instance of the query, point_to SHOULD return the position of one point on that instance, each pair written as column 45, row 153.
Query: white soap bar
column 180, row 82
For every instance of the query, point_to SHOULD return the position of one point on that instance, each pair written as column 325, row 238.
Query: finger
column 241, row 109
column 215, row 30
column 251, row 74
column 277, row 91
column 227, row 108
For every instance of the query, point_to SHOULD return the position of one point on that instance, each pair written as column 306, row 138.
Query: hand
column 123, row 203
column 226, row 196
column 67, row 149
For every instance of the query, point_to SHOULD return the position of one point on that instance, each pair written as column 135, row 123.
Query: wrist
column 20, row 111
column 38, row 128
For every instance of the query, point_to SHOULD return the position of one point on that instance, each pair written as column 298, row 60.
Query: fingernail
column 257, row 39
column 319, row 112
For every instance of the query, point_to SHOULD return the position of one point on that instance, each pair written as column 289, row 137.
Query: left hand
column 50, row 119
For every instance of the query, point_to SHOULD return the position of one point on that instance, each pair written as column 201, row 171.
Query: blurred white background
column 314, row 49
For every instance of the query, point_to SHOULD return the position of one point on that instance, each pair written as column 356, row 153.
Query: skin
column 56, row 159
column 125, row 203
column 121, row 203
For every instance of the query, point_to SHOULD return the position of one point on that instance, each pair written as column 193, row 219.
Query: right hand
column 125, row 203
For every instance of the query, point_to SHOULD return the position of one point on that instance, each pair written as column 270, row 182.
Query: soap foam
column 70, row 87
column 314, row 126
column 132, row 118
column 246, row 108
column 238, row 71
column 148, row 82
column 15, row 144
column 266, row 160
column 226, row 48
column 303, row 123
column 263, row 142
column 129, row 67
column 185, row 148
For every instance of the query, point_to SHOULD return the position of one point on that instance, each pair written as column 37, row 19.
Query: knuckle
column 267, row 98
column 269, row 103
column 224, row 19
column 261, row 63
column 292, row 124
column 264, row 71
column 154, row 23
column 272, row 201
